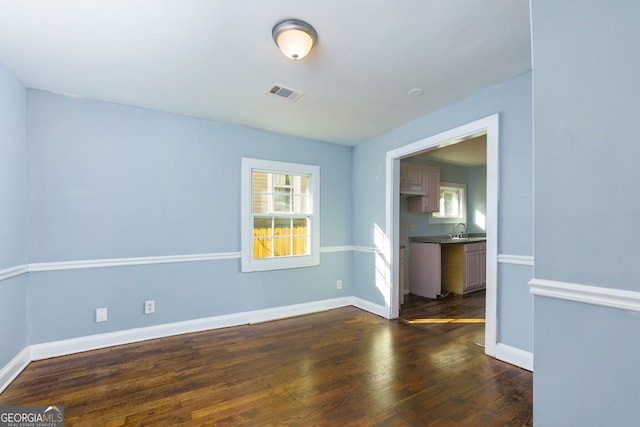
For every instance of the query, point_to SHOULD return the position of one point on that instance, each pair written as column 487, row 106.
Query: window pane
column 301, row 222
column 260, row 182
column 301, row 185
column 280, row 180
column 283, row 223
column 282, row 240
column 261, row 222
column 300, row 236
column 260, row 203
column 450, row 203
column 282, row 202
column 262, row 238
column 301, row 205
column 282, row 246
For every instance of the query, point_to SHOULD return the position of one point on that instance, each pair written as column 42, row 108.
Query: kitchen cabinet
column 430, row 201
column 464, row 267
column 412, row 179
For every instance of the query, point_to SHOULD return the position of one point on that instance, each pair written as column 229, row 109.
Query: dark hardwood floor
column 459, row 317
column 342, row 367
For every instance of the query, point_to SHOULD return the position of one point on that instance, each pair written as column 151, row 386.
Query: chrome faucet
column 455, row 227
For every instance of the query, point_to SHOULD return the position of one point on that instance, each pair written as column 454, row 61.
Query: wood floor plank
column 339, row 367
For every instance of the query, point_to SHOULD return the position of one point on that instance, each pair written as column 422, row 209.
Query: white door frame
column 491, row 126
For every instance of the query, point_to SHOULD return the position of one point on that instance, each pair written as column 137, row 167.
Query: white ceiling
column 215, row 59
column 469, row 152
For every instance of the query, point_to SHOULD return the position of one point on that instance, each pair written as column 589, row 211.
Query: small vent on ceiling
column 284, row 92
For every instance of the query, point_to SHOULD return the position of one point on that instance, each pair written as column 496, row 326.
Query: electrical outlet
column 149, row 307
column 412, row 228
column 339, row 284
column 101, row 314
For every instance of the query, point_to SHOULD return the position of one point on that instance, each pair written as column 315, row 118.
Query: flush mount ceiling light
column 294, row 38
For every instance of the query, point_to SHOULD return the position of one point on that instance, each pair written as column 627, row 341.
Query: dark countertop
column 448, row 240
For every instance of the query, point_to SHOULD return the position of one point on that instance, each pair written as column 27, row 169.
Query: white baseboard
column 514, row 356
column 276, row 313
column 10, row 371
column 94, row 342
column 365, row 305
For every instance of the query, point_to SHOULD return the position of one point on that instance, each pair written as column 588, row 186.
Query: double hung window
column 280, row 215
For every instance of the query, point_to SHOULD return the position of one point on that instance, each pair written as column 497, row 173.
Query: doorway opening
column 442, row 259
column 488, row 127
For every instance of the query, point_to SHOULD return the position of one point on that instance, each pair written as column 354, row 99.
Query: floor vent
column 284, row 92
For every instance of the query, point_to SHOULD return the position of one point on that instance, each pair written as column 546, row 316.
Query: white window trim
column 248, row 262
column 452, row 220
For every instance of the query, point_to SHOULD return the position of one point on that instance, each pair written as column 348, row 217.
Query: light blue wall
column 476, row 198
column 586, row 112
column 515, row 306
column 512, row 99
column 112, row 181
column 586, row 64
column 13, row 215
column 13, row 172
column 586, row 359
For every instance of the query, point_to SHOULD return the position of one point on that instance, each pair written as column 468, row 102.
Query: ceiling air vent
column 284, row 92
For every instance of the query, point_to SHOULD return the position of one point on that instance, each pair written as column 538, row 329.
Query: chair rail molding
column 10, row 272
column 515, row 259
column 607, row 297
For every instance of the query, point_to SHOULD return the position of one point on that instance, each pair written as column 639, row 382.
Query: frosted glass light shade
column 294, row 38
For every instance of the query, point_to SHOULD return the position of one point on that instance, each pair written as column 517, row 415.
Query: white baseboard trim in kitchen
column 515, row 356
column 12, row 369
column 607, row 297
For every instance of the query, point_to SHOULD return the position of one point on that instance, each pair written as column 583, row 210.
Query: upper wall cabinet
column 412, row 179
column 430, row 201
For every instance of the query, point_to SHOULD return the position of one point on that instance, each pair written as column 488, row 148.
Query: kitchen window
column 452, row 203
column 280, row 215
